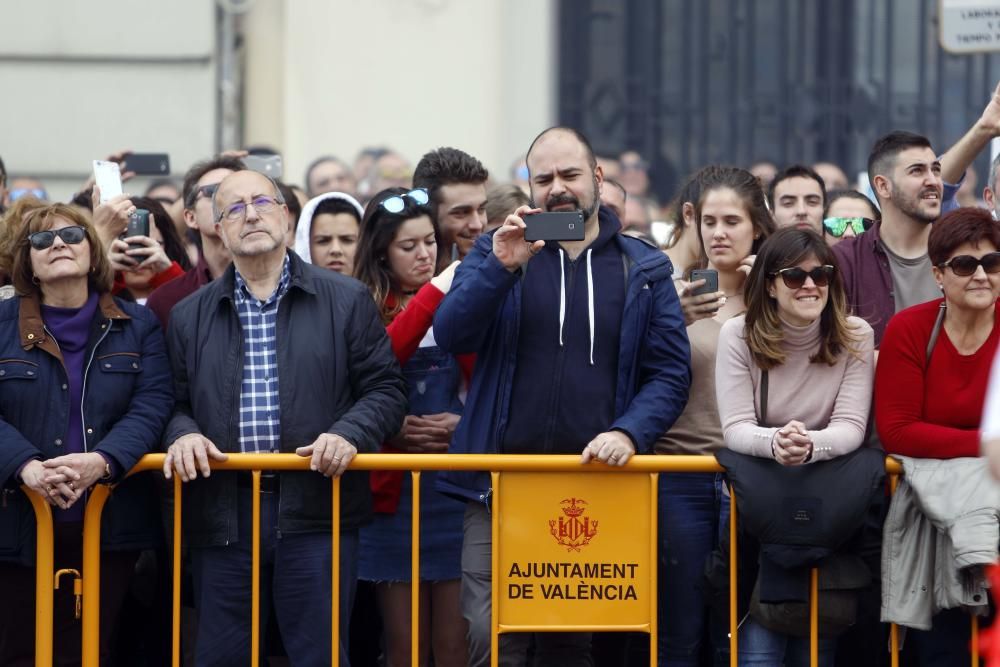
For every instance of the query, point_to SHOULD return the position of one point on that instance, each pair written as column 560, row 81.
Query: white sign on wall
column 969, row 26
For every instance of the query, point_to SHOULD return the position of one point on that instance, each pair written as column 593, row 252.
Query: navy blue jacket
column 127, row 399
column 482, row 312
column 336, row 374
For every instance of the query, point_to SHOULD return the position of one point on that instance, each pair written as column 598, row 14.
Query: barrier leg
column 255, row 576
column 44, row 566
column 175, row 605
column 335, row 575
column 494, row 584
column 654, row 550
column 415, row 573
column 92, row 575
column 975, row 640
column 814, row 617
column 893, row 628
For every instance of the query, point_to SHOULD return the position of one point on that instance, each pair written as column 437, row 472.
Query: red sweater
column 929, row 410
column 405, row 332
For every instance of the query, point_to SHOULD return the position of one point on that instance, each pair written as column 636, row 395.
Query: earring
column 771, row 294
column 35, row 280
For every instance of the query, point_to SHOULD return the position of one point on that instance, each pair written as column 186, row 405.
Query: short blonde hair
column 41, row 219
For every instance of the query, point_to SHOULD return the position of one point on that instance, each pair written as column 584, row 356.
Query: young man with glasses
column 200, row 183
column 275, row 355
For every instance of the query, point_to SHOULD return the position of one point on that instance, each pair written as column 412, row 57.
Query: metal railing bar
column 44, row 567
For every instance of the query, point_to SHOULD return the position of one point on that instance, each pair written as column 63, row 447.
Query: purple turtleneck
column 71, row 329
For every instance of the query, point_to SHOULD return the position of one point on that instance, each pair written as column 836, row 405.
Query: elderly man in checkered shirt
column 274, row 356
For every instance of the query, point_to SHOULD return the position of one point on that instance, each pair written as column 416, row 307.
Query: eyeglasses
column 966, row 265
column 397, row 204
column 45, row 239
column 837, row 226
column 238, row 211
column 37, row 193
column 795, row 278
column 205, row 191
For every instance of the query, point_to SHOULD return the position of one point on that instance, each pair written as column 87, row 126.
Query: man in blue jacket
column 584, row 351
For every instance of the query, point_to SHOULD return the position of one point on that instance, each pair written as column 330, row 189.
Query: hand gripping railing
column 414, row 463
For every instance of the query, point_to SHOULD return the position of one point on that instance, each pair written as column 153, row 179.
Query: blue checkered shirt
column 260, row 415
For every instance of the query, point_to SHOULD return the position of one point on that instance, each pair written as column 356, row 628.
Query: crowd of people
column 794, row 328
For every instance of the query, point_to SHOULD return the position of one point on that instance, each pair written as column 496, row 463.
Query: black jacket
column 336, row 374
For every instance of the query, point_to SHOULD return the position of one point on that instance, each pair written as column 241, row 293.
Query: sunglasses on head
column 397, row 204
column 795, row 278
column 205, row 191
column 966, row 265
column 837, row 226
column 17, row 193
column 44, row 239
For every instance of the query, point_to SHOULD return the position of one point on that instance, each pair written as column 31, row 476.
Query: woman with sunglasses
column 396, row 255
column 848, row 214
column 732, row 220
column 85, row 392
column 819, row 363
column 933, row 371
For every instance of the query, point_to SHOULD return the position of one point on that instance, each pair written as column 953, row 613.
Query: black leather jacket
column 336, row 374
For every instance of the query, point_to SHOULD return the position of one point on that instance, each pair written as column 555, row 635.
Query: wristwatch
column 106, row 477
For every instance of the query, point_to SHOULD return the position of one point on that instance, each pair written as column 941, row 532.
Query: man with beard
column 886, row 268
column 585, row 353
column 456, row 184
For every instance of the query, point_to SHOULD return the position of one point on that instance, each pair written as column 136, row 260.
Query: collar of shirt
column 243, row 293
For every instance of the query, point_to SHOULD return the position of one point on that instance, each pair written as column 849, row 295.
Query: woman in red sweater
column 933, row 369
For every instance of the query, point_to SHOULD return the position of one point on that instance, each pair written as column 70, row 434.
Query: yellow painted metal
column 77, row 586
column 974, row 644
column 814, row 617
column 92, row 575
column 893, row 628
column 44, row 564
column 494, row 582
column 654, row 550
column 415, row 573
column 335, row 574
column 175, row 605
column 278, row 462
column 734, row 626
column 255, row 576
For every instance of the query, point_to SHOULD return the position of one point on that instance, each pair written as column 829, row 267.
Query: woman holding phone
column 732, row 222
column 396, row 256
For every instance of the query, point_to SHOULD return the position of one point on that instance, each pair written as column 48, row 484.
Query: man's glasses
column 837, row 226
column 795, row 278
column 238, row 211
column 37, row 193
column 966, row 265
column 397, row 204
column 205, row 191
column 45, row 239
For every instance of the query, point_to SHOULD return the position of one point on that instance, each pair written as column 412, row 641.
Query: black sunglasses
column 795, row 278
column 966, row 265
column 206, row 191
column 44, row 239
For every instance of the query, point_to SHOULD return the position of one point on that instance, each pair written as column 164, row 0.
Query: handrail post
column 494, row 564
column 335, row 573
column 92, row 575
column 44, row 566
column 415, row 572
column 255, row 575
column 893, row 628
column 654, row 552
column 175, row 603
column 814, row 617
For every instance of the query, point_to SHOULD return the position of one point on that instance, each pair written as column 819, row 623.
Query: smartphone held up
column 554, row 226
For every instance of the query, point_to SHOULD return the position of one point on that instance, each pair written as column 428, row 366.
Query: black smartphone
column 554, row 226
column 138, row 225
column 147, row 164
column 269, row 165
column 711, row 277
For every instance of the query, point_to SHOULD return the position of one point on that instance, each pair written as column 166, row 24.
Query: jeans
column 295, row 575
column 760, row 647
column 689, row 511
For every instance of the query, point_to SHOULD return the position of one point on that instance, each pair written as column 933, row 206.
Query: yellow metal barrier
column 495, row 464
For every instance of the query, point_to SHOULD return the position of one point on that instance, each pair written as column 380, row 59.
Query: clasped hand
column 64, row 479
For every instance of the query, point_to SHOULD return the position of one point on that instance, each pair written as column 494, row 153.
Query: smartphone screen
column 107, row 177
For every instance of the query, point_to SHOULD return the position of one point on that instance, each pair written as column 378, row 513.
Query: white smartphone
column 107, row 177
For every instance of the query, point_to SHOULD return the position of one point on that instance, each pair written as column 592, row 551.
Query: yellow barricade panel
column 574, row 550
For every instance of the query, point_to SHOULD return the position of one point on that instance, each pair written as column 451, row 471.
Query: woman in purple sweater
column 820, row 369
